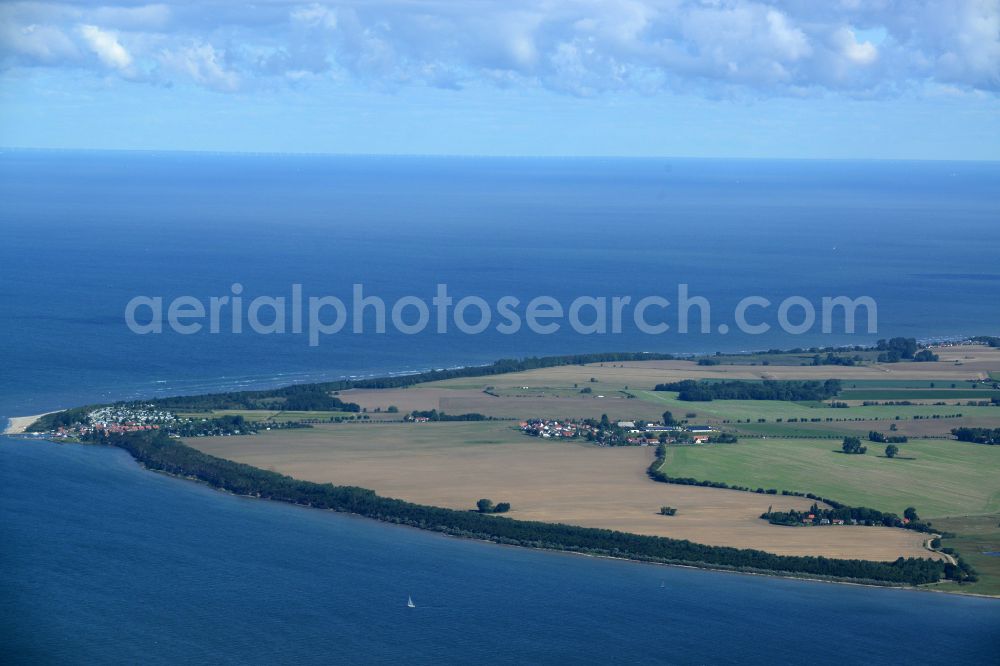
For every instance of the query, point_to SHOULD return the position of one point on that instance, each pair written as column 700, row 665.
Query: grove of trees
column 853, row 445
column 486, row 506
column 703, row 391
column 882, row 438
column 977, row 435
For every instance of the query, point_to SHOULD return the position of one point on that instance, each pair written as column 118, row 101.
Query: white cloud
column 107, row 47
column 41, row 43
column 859, row 53
column 579, row 47
column 970, row 38
column 202, row 64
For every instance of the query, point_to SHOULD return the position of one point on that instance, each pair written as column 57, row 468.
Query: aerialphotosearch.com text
column 317, row 317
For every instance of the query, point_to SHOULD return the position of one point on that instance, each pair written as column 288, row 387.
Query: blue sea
column 83, row 233
column 105, row 563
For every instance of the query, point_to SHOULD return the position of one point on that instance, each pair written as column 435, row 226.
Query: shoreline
column 285, row 380
column 777, row 574
column 160, row 455
column 281, row 380
column 17, row 425
column 783, row 575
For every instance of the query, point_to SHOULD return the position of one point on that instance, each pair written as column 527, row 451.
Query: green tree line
column 159, row 452
column 703, row 391
column 863, row 515
column 977, row 435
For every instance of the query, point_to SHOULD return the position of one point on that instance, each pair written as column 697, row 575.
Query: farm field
column 781, row 418
column 943, row 382
column 271, row 415
column 719, row 410
column 406, row 400
column 958, row 364
column 924, row 428
column 789, row 358
column 918, row 394
column 455, row 464
column 558, row 389
column 944, row 477
column 554, row 401
column 783, row 445
column 646, row 374
column 253, row 415
column 541, row 402
column 976, row 536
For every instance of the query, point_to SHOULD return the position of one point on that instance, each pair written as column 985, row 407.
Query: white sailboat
column 409, row 602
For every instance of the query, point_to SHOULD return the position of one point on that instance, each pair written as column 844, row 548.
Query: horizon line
column 271, row 153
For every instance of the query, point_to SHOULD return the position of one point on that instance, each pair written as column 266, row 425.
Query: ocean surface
column 83, row 233
column 105, row 563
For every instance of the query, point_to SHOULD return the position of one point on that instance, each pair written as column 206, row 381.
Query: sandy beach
column 18, row 424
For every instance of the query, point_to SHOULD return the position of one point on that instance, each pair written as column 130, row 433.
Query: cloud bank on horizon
column 792, row 48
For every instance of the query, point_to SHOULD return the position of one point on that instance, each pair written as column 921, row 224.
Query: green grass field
column 389, row 437
column 259, row 415
column 719, row 410
column 791, row 429
column 944, row 478
column 530, row 388
column 803, row 358
column 917, row 394
column 943, row 383
column 559, row 391
column 975, row 536
column 941, row 478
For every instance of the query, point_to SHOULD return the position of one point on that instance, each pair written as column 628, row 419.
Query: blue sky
column 724, row 78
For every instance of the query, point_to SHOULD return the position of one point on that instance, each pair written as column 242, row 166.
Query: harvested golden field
column 616, row 406
column 406, row 399
column 464, row 401
column 964, row 362
column 622, row 391
column 454, row 464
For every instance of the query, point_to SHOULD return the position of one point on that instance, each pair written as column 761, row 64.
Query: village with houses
column 116, row 419
column 604, row 432
column 121, row 418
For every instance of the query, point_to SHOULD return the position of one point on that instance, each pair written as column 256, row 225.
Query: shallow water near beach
column 105, row 562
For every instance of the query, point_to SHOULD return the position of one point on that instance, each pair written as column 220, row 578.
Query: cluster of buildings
column 810, row 519
column 550, row 428
column 652, row 433
column 130, row 415
column 119, row 419
column 117, row 428
column 630, row 433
